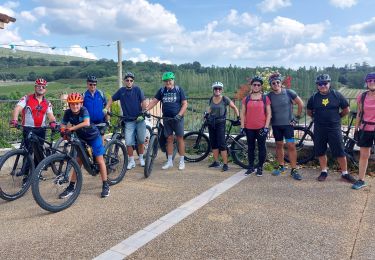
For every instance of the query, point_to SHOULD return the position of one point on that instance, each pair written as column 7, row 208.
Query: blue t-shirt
column 282, row 106
column 171, row 100
column 326, row 108
column 130, row 100
column 85, row 133
column 95, row 104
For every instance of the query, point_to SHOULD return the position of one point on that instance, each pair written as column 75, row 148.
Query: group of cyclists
column 259, row 111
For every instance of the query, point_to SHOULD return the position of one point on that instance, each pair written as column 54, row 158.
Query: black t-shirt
column 171, row 99
column 85, row 133
column 326, row 108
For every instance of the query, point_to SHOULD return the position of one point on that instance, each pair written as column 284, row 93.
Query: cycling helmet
column 323, row 78
column 274, row 76
column 168, row 75
column 257, row 79
column 129, row 75
column 91, row 78
column 217, row 84
column 74, row 98
column 40, row 82
column 370, row 75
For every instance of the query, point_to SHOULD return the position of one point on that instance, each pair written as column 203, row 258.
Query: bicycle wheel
column 151, row 154
column 238, row 151
column 147, row 140
column 116, row 160
column 47, row 185
column 197, row 146
column 16, row 167
column 304, row 140
column 351, row 155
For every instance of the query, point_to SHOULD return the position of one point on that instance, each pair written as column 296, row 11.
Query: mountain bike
column 16, row 166
column 198, row 147
column 46, row 190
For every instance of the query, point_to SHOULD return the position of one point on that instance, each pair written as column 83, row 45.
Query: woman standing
column 255, row 120
column 217, row 113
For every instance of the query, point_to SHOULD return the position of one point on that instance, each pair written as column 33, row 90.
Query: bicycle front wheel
column 151, row 154
column 197, row 146
column 238, row 151
column 304, row 140
column 16, row 167
column 48, row 185
column 116, row 160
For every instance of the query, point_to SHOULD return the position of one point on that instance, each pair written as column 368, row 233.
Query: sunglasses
column 218, row 89
column 277, row 82
column 92, row 84
column 320, row 84
column 256, row 85
column 370, row 81
column 40, row 86
column 129, row 80
column 168, row 80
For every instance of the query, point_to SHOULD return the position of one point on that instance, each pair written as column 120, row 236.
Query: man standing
column 94, row 100
column 283, row 122
column 324, row 107
column 133, row 102
column 174, row 105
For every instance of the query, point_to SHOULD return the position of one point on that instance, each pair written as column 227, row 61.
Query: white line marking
column 142, row 237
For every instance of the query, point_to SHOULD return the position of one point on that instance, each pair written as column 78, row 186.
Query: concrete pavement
column 259, row 218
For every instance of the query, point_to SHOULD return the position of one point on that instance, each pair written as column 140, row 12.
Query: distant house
column 5, row 19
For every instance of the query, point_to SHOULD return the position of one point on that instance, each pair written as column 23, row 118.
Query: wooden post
column 119, row 64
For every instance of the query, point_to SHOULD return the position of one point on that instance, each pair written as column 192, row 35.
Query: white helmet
column 217, row 84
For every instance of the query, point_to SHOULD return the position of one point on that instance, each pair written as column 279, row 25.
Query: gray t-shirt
column 281, row 106
column 219, row 110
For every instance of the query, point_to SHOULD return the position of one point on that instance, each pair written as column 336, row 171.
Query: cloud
column 136, row 55
column 343, row 3
column 9, row 36
column 273, row 5
column 244, row 19
column 43, row 30
column 28, row 16
column 364, row 28
column 7, row 7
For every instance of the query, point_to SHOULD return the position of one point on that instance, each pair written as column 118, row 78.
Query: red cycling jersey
column 34, row 113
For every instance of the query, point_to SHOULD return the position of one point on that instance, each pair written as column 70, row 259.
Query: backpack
column 225, row 112
column 264, row 98
column 363, row 96
column 162, row 92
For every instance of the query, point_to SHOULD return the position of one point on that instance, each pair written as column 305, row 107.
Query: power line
column 13, row 46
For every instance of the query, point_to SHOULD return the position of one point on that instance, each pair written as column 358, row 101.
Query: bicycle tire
column 197, row 146
column 151, row 154
column 12, row 173
column 47, row 185
column 147, row 140
column 116, row 160
column 238, row 150
column 349, row 144
column 305, row 153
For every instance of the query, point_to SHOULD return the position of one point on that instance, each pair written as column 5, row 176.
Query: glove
column 13, row 123
column 238, row 122
column 264, row 131
column 105, row 111
column 146, row 114
column 64, row 132
column 205, row 115
column 178, row 117
column 294, row 121
column 140, row 118
column 242, row 131
column 52, row 125
column 356, row 135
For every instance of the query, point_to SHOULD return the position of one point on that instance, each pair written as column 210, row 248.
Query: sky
column 243, row 33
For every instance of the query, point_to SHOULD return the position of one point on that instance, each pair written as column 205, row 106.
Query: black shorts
column 330, row 136
column 283, row 131
column 366, row 138
column 173, row 125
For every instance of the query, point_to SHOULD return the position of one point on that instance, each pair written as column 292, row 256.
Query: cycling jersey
column 34, row 112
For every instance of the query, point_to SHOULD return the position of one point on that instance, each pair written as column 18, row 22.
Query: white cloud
column 244, row 19
column 343, row 3
column 28, row 16
column 136, row 55
column 7, row 7
column 43, row 30
column 364, row 28
column 9, row 36
column 273, row 5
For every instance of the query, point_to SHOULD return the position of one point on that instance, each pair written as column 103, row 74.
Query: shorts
column 330, row 136
column 97, row 146
column 173, row 125
column 135, row 129
column 283, row 131
column 366, row 138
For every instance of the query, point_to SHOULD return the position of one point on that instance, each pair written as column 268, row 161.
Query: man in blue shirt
column 133, row 102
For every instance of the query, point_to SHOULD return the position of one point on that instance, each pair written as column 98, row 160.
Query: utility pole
column 119, row 64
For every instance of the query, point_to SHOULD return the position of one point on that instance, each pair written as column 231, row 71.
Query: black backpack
column 363, row 96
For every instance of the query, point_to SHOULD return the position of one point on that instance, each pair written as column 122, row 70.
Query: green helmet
column 168, row 75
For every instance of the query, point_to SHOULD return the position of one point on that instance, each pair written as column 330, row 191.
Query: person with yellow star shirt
column 327, row 106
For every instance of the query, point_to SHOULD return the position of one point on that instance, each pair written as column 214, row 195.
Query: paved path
column 257, row 218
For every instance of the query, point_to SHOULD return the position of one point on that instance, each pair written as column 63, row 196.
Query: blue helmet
column 370, row 75
column 257, row 79
column 274, row 76
column 323, row 78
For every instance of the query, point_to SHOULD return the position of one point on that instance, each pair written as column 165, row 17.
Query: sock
column 325, row 170
column 131, row 158
column 344, row 172
column 170, row 158
column 182, row 158
column 141, row 156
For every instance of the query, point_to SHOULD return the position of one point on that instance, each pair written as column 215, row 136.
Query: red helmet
column 75, row 98
column 40, row 82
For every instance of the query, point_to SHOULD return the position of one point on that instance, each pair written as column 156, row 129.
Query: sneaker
column 142, row 162
column 278, row 171
column 294, row 173
column 349, row 178
column 259, row 172
column 167, row 165
column 359, row 184
column 67, row 192
column 131, row 164
column 250, row 171
column 181, row 165
column 215, row 164
column 105, row 190
column 323, row 176
column 225, row 167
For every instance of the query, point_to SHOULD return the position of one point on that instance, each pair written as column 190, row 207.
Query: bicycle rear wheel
column 116, row 160
column 16, row 167
column 197, row 146
column 47, row 184
column 151, row 154
column 238, row 150
column 304, row 140
column 351, row 155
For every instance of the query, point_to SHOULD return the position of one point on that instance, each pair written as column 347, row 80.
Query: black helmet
column 129, row 74
column 323, row 78
column 91, row 78
column 257, row 79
